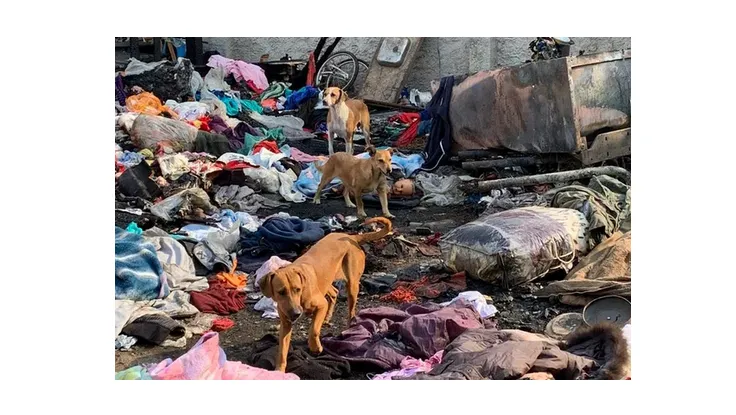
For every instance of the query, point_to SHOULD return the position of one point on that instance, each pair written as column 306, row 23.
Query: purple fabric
column 384, row 336
column 120, row 90
column 234, row 135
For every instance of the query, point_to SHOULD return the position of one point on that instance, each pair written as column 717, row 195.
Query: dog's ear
column 343, row 96
column 371, row 150
column 266, row 285
column 390, row 151
column 304, row 278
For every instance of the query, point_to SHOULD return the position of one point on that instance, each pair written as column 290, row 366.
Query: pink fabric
column 242, row 71
column 410, row 366
column 303, row 157
column 206, row 360
column 271, row 265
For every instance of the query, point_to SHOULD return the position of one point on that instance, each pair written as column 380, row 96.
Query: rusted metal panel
column 526, row 108
column 608, row 146
column 538, row 107
column 605, row 84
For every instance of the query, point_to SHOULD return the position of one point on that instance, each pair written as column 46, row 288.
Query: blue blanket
column 138, row 272
column 297, row 98
column 284, row 235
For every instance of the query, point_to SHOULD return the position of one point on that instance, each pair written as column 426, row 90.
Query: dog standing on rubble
column 358, row 176
column 344, row 116
column 305, row 286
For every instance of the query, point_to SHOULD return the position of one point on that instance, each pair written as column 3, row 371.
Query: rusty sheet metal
column 526, row 108
column 608, row 146
column 601, row 82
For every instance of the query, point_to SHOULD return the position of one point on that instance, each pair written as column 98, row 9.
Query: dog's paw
column 388, row 215
column 362, row 215
column 316, row 201
column 350, row 205
column 315, row 349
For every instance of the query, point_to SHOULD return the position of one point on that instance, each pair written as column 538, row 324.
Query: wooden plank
column 384, row 83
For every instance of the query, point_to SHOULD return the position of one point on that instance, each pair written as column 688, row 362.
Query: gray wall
column 438, row 56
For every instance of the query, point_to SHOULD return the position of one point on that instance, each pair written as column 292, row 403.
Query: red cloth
column 218, row 300
column 238, row 164
column 222, row 324
column 405, row 117
column 269, row 145
column 311, row 69
column 428, row 287
column 253, row 87
column 408, row 135
column 411, row 118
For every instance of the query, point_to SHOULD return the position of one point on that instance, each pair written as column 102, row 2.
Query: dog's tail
column 374, row 236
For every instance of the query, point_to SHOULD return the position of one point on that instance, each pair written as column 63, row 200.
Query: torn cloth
column 384, row 336
column 604, row 271
column 410, row 366
column 599, row 352
column 299, row 361
column 606, row 203
column 206, row 360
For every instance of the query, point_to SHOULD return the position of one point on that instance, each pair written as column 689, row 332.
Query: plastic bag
column 166, row 80
column 261, row 179
column 188, row 110
column 136, row 67
column 148, row 130
column 215, row 80
column 516, row 246
column 182, row 201
column 196, row 83
column 440, row 190
column 286, row 189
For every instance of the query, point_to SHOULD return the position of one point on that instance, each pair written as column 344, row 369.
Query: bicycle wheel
column 347, row 66
column 331, row 74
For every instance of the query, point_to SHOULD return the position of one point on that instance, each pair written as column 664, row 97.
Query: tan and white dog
column 343, row 118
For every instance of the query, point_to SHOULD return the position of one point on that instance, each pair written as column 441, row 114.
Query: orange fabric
column 400, row 295
column 147, row 103
column 233, row 279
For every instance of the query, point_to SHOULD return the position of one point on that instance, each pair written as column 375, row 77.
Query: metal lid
column 610, row 309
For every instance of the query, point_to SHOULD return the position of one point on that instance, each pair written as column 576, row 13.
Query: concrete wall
column 438, row 56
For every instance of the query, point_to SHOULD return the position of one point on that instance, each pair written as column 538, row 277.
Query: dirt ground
column 517, row 308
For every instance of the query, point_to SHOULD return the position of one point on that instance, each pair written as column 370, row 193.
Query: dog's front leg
column 329, row 141
column 346, row 195
column 284, row 342
column 349, row 142
column 315, row 346
column 383, row 197
column 359, row 201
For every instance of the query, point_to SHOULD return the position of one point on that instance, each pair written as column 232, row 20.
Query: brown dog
column 358, row 176
column 305, row 286
column 344, row 116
